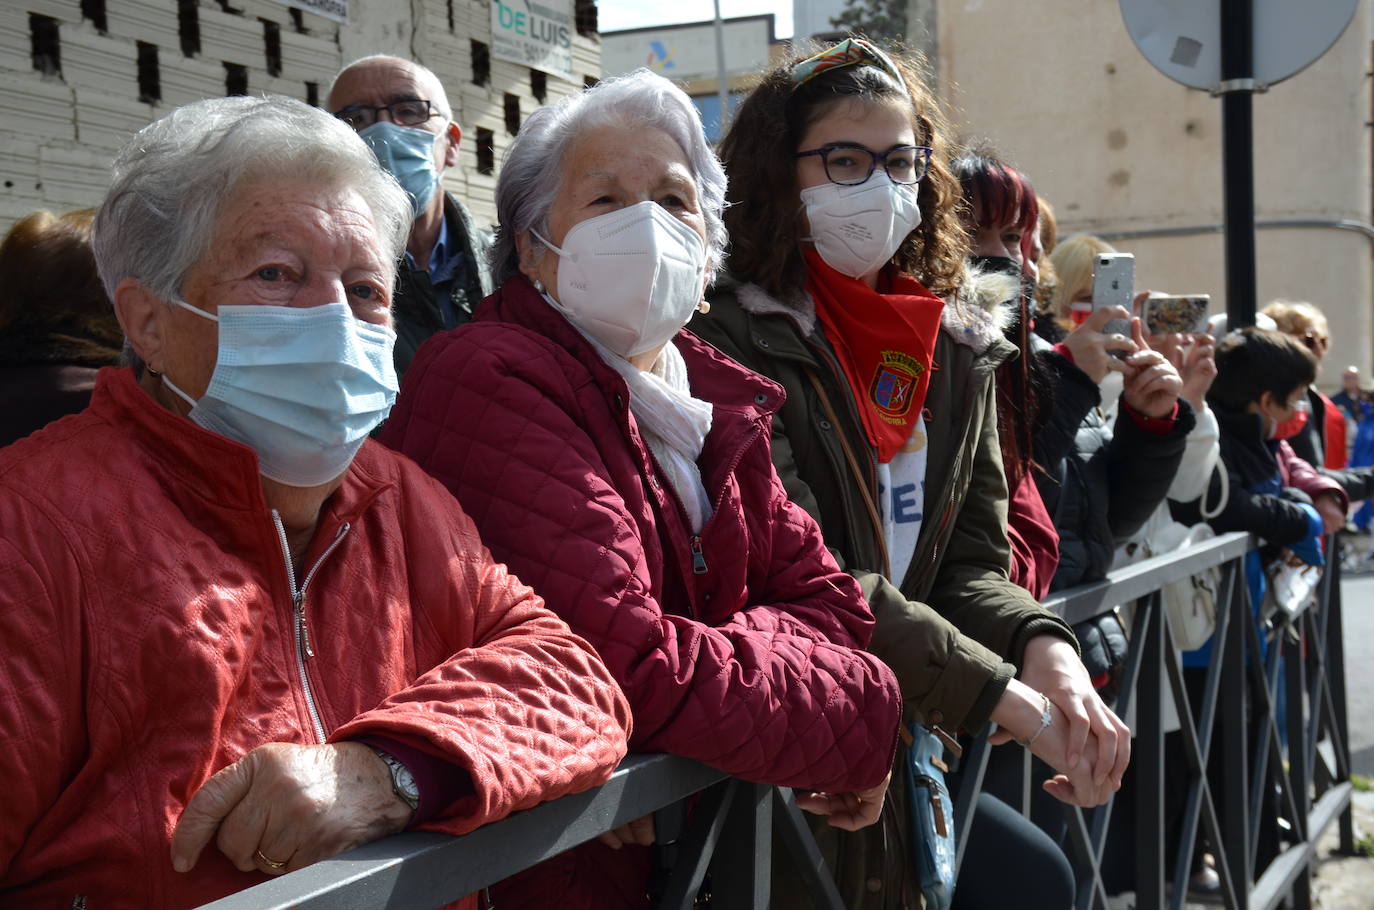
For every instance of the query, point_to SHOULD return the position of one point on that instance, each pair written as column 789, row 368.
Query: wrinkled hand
column 292, row 804
column 1092, row 349
column 1152, row 384
column 640, row 831
column 1329, row 508
column 849, row 811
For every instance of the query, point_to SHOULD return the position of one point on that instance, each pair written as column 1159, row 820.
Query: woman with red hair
column 1001, row 217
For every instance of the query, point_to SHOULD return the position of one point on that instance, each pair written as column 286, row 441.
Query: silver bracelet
column 1046, row 719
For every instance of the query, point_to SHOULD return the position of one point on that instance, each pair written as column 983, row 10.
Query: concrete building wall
column 1059, row 89
column 59, row 132
column 812, row 17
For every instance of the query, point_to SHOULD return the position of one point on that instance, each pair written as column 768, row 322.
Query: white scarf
column 673, row 423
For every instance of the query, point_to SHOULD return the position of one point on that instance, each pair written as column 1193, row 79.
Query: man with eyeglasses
column 401, row 111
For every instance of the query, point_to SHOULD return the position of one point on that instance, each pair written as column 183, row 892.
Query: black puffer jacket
column 1100, row 481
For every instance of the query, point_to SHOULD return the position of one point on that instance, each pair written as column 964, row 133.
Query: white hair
column 529, row 182
column 173, row 178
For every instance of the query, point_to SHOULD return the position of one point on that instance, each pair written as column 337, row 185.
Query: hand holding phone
column 1094, row 351
column 1114, row 285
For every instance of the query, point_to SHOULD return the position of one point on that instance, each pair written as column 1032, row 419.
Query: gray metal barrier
column 1276, row 799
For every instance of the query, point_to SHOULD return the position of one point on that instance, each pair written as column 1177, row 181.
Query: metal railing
column 1279, row 792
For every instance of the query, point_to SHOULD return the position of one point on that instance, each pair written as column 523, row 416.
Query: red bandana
column 885, row 343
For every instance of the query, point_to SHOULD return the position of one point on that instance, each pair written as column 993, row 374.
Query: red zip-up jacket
column 150, row 639
column 740, row 646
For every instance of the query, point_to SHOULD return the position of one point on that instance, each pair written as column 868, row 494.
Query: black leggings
column 1009, row 862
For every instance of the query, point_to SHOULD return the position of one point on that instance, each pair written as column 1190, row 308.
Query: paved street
column 1345, row 882
column 1342, row 882
column 1358, row 598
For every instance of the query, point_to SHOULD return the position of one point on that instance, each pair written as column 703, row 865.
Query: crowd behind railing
column 1309, row 786
column 812, row 472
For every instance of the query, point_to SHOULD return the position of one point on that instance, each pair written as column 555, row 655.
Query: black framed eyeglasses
column 402, row 113
column 851, row 165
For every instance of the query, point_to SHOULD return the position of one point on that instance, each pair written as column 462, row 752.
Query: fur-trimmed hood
column 975, row 317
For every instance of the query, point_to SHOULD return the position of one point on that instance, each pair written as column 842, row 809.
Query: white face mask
column 857, row 229
column 630, row 278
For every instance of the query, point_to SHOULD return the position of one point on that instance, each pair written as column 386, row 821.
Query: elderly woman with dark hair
column 229, row 618
column 623, row 468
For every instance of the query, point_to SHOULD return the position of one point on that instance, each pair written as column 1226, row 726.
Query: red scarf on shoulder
column 885, row 341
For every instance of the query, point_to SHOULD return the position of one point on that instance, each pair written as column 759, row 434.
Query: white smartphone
column 1114, row 285
column 1169, row 314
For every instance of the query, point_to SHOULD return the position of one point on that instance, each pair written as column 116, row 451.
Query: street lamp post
column 1237, row 90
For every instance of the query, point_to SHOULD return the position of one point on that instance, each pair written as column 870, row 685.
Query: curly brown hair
column 763, row 214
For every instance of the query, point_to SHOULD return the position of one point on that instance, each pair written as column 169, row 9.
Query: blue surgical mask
column 301, row 386
column 407, row 154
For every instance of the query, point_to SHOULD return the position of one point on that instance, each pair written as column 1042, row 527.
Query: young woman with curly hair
column 845, row 235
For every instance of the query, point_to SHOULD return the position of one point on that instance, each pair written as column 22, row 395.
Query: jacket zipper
column 301, row 628
column 694, row 543
column 698, row 559
column 869, row 483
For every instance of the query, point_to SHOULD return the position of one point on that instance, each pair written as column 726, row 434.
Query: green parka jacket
column 953, row 628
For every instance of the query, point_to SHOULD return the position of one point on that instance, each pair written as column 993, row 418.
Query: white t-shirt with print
column 901, row 500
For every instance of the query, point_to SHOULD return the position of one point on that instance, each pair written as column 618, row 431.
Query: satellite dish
column 1182, row 38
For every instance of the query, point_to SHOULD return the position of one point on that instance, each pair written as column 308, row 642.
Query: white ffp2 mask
column 630, row 278
column 857, row 229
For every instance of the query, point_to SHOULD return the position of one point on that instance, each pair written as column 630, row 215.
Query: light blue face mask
column 301, row 386
column 407, row 154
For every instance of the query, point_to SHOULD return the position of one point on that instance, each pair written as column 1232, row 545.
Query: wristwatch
column 402, row 781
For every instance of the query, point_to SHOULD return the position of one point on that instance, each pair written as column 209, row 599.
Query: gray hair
column 172, row 179
column 525, row 192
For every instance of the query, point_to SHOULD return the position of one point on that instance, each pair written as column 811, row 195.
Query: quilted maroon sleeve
column 524, row 705
column 1302, row 476
column 798, row 588
column 489, row 413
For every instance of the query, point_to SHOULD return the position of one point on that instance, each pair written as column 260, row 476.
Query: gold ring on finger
column 269, row 863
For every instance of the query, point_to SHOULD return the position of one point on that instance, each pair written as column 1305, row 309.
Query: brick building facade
column 78, row 77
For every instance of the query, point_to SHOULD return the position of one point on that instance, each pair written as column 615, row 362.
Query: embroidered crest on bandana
column 894, row 384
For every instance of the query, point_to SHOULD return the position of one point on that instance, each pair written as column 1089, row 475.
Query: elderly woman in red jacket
column 622, row 467
column 239, row 636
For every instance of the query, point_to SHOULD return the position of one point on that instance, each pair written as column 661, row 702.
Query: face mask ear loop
column 540, row 237
column 179, row 393
column 539, row 285
column 177, row 301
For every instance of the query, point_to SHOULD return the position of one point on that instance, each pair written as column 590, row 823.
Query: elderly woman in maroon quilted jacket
column 622, row 468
